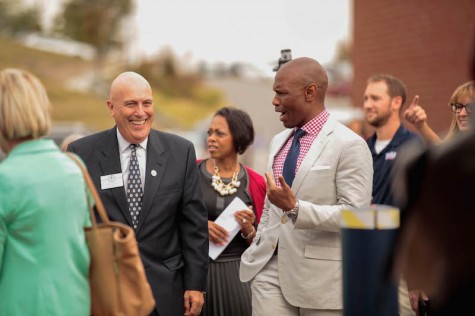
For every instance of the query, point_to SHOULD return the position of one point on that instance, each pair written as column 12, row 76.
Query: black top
column 215, row 204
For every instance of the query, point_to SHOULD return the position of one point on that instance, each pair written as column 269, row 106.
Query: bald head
column 300, row 87
column 125, row 79
column 306, row 70
column 131, row 105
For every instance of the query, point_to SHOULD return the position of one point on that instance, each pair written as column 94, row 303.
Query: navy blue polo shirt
column 383, row 163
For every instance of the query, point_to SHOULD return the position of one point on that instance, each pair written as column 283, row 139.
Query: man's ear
column 310, row 91
column 111, row 107
column 396, row 103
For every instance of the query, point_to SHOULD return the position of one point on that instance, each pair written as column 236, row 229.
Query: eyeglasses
column 457, row 107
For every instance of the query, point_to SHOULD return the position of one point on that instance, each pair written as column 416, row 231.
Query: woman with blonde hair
column 44, row 260
column 461, row 103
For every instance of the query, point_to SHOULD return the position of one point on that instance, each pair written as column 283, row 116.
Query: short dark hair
column 396, row 88
column 240, row 126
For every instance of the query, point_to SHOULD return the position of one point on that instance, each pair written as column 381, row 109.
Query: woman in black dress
column 223, row 178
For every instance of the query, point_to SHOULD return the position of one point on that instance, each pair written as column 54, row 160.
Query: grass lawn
column 56, row 72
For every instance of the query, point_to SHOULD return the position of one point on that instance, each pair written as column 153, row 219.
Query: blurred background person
column 69, row 139
column 44, row 260
column 461, row 104
column 357, row 125
column 384, row 98
column 432, row 252
column 223, row 178
column 435, row 248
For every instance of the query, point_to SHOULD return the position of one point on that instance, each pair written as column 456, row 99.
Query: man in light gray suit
column 294, row 262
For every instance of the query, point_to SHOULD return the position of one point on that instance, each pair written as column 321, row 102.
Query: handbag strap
column 97, row 199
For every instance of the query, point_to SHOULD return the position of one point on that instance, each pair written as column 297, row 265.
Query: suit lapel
column 110, row 164
column 275, row 148
column 155, row 169
column 313, row 154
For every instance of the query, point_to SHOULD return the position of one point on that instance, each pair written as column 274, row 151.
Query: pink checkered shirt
column 312, row 128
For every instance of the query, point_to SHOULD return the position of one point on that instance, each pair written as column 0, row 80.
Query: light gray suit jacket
column 336, row 173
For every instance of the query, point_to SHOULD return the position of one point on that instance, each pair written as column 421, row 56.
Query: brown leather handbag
column 117, row 277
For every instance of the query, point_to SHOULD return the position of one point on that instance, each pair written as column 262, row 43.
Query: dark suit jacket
column 172, row 232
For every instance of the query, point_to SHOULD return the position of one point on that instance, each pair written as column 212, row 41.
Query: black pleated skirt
column 226, row 295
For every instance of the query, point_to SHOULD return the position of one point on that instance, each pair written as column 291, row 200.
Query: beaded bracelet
column 250, row 235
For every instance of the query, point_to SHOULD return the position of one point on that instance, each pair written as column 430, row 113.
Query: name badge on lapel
column 391, row 155
column 112, row 181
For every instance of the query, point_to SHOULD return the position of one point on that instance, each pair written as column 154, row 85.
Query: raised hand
column 282, row 197
column 415, row 114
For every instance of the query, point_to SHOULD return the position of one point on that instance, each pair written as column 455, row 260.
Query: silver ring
column 244, row 221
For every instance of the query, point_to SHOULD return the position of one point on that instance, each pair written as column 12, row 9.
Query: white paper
column 227, row 221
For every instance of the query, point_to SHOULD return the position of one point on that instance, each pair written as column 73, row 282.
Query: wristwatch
column 294, row 212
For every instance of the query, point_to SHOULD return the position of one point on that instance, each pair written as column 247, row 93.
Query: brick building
column 426, row 43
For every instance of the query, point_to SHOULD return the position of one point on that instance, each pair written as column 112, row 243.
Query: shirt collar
column 34, row 146
column 398, row 137
column 124, row 144
column 315, row 125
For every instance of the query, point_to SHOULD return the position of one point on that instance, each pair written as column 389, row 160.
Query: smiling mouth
column 137, row 123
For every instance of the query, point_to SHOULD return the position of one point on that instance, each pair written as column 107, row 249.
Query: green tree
column 164, row 72
column 16, row 18
column 344, row 51
column 96, row 22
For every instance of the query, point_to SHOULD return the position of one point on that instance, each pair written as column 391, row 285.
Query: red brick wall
column 428, row 44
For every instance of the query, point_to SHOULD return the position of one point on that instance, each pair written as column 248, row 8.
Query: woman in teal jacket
column 44, row 261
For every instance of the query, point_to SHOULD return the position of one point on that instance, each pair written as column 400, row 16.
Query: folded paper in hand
column 228, row 222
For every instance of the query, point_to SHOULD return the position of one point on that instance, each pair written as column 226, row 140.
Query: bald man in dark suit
column 149, row 180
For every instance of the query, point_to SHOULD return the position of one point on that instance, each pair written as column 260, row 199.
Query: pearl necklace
column 220, row 187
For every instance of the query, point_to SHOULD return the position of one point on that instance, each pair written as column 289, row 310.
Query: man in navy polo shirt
column 384, row 98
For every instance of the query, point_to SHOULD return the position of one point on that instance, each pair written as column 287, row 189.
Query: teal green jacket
column 44, row 261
